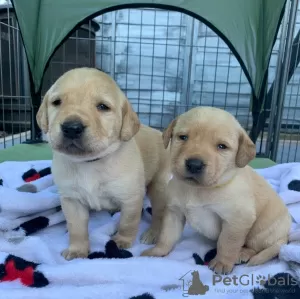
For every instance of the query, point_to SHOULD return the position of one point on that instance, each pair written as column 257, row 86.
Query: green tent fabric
column 249, row 27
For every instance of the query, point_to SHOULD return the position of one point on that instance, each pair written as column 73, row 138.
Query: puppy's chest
column 91, row 188
column 203, row 220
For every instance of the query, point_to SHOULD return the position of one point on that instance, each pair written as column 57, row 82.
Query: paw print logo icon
column 261, row 279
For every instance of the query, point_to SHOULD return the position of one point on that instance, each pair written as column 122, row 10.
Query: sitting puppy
column 218, row 194
column 103, row 158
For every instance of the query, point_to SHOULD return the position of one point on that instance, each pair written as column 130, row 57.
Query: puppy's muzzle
column 194, row 166
column 72, row 129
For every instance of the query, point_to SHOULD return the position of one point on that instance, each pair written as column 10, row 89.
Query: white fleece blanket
column 42, row 272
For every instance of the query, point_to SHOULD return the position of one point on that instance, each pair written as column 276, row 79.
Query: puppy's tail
column 266, row 254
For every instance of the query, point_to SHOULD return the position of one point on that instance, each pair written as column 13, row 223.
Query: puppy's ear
column 167, row 133
column 131, row 123
column 42, row 115
column 246, row 151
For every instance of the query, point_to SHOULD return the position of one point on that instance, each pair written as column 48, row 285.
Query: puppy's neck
column 224, row 184
column 226, row 180
column 93, row 160
column 104, row 155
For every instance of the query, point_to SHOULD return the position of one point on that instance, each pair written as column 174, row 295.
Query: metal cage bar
column 283, row 75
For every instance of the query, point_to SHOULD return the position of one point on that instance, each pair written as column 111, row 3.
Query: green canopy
column 248, row 27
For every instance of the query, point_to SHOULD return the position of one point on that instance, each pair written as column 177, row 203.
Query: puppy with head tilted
column 218, row 194
column 103, row 158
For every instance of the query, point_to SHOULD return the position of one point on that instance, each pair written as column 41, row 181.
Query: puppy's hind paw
column 122, row 242
column 245, row 255
column 149, row 237
column 155, row 251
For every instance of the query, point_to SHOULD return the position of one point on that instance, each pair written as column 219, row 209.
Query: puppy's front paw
column 155, row 251
column 220, row 267
column 122, row 242
column 74, row 253
column 150, row 236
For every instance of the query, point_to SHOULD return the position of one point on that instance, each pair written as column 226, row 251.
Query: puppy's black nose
column 194, row 166
column 72, row 129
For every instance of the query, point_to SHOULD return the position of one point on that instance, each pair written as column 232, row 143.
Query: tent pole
column 36, row 97
column 284, row 75
column 36, row 101
column 276, row 82
column 36, row 133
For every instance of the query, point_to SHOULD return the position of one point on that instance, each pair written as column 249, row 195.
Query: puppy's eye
column 103, row 107
column 56, row 103
column 183, row 137
column 222, row 146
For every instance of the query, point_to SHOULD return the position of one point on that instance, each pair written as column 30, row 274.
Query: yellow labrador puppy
column 103, row 158
column 218, row 194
